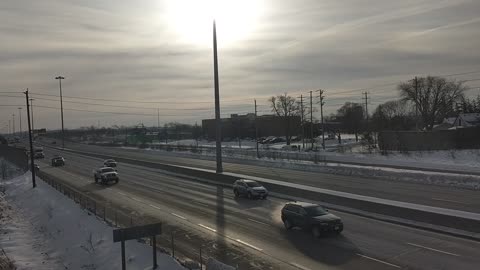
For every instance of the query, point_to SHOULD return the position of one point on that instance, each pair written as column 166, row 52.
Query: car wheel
column 264, row 197
column 250, row 196
column 339, row 231
column 288, row 225
column 96, row 179
column 316, row 232
column 235, row 192
column 116, row 181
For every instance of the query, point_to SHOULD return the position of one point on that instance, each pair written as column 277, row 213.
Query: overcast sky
column 159, row 52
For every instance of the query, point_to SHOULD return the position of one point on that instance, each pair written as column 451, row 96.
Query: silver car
column 110, row 163
column 249, row 188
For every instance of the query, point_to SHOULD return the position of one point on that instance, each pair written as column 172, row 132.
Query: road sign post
column 151, row 230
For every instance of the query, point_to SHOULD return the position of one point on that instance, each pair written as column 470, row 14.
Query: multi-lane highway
column 439, row 196
column 251, row 234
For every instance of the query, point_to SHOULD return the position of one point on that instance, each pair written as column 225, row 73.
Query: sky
column 139, row 59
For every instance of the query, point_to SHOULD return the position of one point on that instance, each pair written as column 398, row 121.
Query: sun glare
column 191, row 20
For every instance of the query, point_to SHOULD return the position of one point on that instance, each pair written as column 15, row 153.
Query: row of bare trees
column 422, row 103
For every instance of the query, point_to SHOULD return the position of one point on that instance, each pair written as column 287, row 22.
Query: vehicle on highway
column 38, row 155
column 58, row 161
column 110, row 163
column 249, row 188
column 105, row 175
column 309, row 216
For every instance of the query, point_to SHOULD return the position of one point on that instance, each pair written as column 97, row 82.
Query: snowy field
column 42, row 229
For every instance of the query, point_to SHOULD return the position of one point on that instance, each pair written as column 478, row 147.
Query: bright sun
column 191, row 20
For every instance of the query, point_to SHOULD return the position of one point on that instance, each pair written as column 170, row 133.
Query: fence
column 193, row 257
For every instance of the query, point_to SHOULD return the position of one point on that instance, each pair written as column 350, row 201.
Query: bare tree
column 394, row 115
column 351, row 116
column 434, row 97
column 285, row 106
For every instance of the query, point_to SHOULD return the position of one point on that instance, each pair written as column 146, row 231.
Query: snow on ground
column 42, row 229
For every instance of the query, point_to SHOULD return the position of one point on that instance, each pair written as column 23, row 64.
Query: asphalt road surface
column 439, row 196
column 249, row 233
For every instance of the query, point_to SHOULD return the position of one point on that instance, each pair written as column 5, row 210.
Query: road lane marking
column 259, row 222
column 248, row 245
column 202, row 204
column 136, row 199
column 121, row 193
column 432, row 249
column 377, row 260
column 208, row 228
column 299, row 266
column 179, row 216
column 154, row 206
column 443, row 200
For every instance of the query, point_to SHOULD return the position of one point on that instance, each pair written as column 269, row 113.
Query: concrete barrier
column 455, row 219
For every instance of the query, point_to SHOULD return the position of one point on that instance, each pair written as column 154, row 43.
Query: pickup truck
column 105, row 175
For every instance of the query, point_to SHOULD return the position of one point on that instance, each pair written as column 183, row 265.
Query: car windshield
column 253, row 184
column 316, row 211
column 105, row 170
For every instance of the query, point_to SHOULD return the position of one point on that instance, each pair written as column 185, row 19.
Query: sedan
column 249, row 188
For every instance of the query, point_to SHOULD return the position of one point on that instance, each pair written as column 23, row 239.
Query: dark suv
column 310, row 216
column 58, row 161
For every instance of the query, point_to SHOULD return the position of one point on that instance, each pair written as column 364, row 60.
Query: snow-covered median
column 42, row 229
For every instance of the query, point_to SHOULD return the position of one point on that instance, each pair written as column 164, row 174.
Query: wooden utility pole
column 416, row 103
column 256, row 128
column 322, row 102
column 311, row 118
column 301, row 121
column 32, row 164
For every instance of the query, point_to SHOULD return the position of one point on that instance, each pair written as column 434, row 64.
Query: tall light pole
column 217, row 103
column 13, row 124
column 20, row 118
column 60, row 78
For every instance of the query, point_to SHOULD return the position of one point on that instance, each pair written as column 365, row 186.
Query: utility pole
column 366, row 108
column 13, row 124
column 32, row 164
column 218, row 121
column 311, row 118
column 301, row 121
column 33, row 122
column 416, row 103
column 256, row 128
column 322, row 102
column 158, row 123
column 9, row 126
column 60, row 78
column 20, row 119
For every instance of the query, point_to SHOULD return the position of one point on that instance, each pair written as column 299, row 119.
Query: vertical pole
column 20, row 119
column 158, row 124
column 321, row 116
column 366, row 107
column 33, row 122
column 311, row 118
column 13, row 124
column 124, row 265
column 301, row 121
column 61, row 108
column 256, row 128
column 32, row 167
column 416, row 103
column 154, row 247
column 173, row 245
column 217, row 103
column 201, row 259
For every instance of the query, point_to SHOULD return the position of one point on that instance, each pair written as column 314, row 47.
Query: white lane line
column 208, row 228
column 202, row 204
column 248, row 245
column 299, row 266
column 377, row 260
column 154, row 206
column 259, row 222
column 432, row 249
column 136, row 199
column 443, row 200
column 179, row 216
column 121, row 193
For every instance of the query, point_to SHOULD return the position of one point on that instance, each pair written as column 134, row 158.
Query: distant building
column 243, row 126
column 466, row 120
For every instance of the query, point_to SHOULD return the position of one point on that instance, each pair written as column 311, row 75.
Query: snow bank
column 45, row 230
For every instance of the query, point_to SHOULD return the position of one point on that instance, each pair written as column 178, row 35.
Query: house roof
column 471, row 118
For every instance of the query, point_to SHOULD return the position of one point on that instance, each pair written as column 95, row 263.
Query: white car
column 110, row 163
column 105, row 175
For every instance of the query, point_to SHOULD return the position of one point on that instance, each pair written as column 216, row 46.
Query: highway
column 431, row 195
column 250, row 234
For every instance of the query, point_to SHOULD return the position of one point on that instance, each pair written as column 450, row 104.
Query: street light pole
column 20, row 119
column 60, row 78
column 217, row 103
